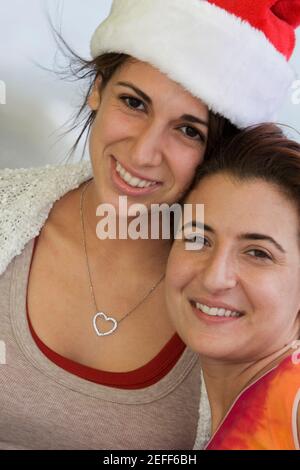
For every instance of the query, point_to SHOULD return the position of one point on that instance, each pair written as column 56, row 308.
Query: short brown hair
column 258, row 152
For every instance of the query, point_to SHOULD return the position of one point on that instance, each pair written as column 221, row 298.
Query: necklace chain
column 101, row 314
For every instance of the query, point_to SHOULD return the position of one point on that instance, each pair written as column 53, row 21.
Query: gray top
column 45, row 407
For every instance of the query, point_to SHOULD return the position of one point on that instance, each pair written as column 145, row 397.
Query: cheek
column 262, row 291
column 271, row 297
column 96, row 136
column 110, row 126
column 174, row 285
column 103, row 130
column 178, row 272
column 288, row 294
column 184, row 162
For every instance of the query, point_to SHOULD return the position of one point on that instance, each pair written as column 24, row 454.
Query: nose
column 147, row 147
column 219, row 273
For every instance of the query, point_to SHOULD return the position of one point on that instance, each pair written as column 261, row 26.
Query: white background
column 37, row 102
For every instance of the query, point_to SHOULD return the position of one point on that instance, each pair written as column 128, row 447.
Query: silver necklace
column 101, row 315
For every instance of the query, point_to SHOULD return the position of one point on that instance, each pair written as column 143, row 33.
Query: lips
column 135, row 174
column 215, row 304
column 126, row 189
column 214, row 318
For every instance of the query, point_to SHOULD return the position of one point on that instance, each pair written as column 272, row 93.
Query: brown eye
column 193, row 133
column 260, row 254
column 196, row 239
column 132, row 102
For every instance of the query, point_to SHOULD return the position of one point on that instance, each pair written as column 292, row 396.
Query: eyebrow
column 184, row 117
column 261, row 236
column 244, row 236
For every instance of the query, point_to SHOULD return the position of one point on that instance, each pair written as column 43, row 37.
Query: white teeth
column 216, row 312
column 132, row 180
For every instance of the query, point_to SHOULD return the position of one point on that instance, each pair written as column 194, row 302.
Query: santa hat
column 232, row 54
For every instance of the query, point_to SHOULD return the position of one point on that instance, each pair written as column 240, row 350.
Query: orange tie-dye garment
column 264, row 416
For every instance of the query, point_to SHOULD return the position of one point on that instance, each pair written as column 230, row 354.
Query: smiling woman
column 236, row 301
column 92, row 348
column 147, row 138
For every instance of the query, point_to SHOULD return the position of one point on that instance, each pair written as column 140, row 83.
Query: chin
column 210, row 348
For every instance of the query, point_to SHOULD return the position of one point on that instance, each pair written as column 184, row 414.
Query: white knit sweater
column 26, row 198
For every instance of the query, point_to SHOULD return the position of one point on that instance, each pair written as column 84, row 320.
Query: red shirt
column 143, row 377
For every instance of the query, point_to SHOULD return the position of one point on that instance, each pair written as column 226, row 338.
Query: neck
column 152, row 254
column 225, row 381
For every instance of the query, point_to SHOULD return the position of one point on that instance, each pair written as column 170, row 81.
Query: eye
column 260, row 254
column 133, row 103
column 193, row 133
column 195, row 239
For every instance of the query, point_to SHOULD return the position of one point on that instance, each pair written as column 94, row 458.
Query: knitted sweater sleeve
column 26, row 198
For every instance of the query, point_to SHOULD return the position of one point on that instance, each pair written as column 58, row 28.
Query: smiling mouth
column 216, row 312
column 132, row 180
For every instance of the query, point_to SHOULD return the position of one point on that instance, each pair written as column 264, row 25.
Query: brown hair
column 106, row 66
column 258, row 152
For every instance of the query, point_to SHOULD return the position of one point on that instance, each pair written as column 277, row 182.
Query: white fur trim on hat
column 216, row 56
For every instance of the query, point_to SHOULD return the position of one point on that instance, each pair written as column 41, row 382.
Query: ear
column 94, row 98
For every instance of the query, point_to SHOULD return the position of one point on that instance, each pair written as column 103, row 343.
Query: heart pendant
column 108, row 319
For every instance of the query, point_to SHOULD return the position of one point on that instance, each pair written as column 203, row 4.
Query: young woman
column 92, row 359
column 236, row 299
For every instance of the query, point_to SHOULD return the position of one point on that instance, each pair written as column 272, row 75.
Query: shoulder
column 286, row 376
column 51, row 179
column 285, row 390
column 26, row 198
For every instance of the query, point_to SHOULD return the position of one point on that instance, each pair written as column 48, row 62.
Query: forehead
column 248, row 206
column 155, row 83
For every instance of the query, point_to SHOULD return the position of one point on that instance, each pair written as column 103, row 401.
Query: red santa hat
column 232, row 54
